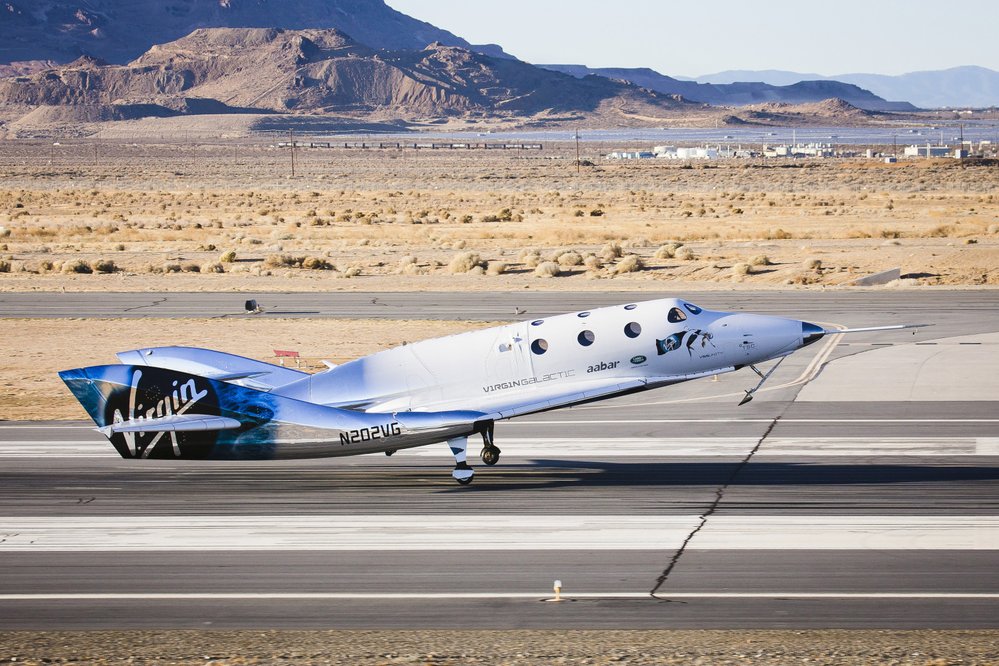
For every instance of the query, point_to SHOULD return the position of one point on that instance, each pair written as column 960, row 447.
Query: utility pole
column 291, row 139
column 577, row 152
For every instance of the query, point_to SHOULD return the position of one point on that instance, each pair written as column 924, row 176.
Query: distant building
column 630, row 155
column 799, row 150
column 673, row 153
column 927, row 151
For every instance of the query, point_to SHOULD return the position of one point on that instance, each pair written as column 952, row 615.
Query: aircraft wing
column 218, row 366
column 173, row 423
column 509, row 405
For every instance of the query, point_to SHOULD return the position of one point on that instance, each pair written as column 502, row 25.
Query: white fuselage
column 659, row 342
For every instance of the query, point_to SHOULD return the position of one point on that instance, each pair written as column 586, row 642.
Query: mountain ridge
column 740, row 93
column 322, row 71
column 119, row 31
column 964, row 86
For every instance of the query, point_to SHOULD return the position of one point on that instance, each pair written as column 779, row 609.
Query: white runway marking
column 448, row 596
column 618, row 447
column 495, row 532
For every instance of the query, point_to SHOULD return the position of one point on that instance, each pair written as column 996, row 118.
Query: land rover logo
column 638, row 359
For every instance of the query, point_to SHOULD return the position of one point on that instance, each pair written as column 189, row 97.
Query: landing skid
column 763, row 378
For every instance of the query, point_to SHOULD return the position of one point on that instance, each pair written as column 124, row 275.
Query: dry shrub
column 172, row 268
column 213, row 267
column 104, row 266
column 804, row 278
column 4, row 266
column 993, row 229
column 668, row 251
column 742, row 269
column 407, row 260
column 77, row 266
column 532, row 260
column 191, row 267
column 778, row 234
column 228, row 257
column 547, row 269
column 4, row 232
column 812, row 263
column 351, row 272
column 942, row 231
column 760, row 260
column 47, row 266
column 610, row 251
column 685, row 254
column 570, row 259
column 316, row 264
column 464, row 262
column 412, row 269
column 525, row 252
column 496, row 268
column 629, row 264
column 477, row 270
column 592, row 262
column 283, row 261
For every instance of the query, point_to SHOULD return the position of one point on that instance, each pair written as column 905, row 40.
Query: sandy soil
column 43, row 347
column 458, row 648
column 228, row 216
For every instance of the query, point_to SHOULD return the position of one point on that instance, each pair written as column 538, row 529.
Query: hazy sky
column 694, row 38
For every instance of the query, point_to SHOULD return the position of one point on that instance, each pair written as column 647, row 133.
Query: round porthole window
column 583, row 315
column 630, row 306
column 633, row 330
column 586, row 338
column 537, row 322
column 539, row 346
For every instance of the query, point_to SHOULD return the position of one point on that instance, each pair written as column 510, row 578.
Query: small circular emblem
column 638, row 359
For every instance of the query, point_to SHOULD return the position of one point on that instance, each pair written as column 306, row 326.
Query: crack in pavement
column 719, row 496
column 148, row 305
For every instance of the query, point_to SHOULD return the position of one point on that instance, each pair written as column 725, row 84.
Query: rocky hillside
column 323, row 71
column 120, row 30
column 743, row 93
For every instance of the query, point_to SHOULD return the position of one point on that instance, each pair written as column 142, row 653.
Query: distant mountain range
column 740, row 94
column 119, row 31
column 969, row 86
column 219, row 70
column 92, row 60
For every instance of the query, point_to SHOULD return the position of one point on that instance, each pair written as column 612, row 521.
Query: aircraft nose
column 811, row 333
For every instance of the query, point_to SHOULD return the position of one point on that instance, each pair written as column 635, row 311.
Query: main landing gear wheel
column 490, row 452
column 490, row 455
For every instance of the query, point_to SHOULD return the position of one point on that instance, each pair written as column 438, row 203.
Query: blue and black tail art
column 150, row 412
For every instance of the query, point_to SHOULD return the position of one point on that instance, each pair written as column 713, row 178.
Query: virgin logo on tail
column 182, row 398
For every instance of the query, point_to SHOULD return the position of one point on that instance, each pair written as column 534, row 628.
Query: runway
column 816, row 505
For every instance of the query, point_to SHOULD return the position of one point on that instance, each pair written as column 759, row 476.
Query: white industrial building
column 630, row 155
column 927, row 151
column 674, row 153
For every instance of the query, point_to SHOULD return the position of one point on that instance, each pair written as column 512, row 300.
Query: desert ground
column 124, row 215
column 598, row 648
column 157, row 215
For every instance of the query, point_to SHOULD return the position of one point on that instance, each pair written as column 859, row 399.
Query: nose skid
column 811, row 333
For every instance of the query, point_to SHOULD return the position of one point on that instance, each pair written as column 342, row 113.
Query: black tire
column 490, row 455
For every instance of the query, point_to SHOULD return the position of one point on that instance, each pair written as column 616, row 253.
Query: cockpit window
column 675, row 316
column 692, row 308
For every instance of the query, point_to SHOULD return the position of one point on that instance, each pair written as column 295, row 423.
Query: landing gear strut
column 490, row 453
column 459, row 449
column 763, row 378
